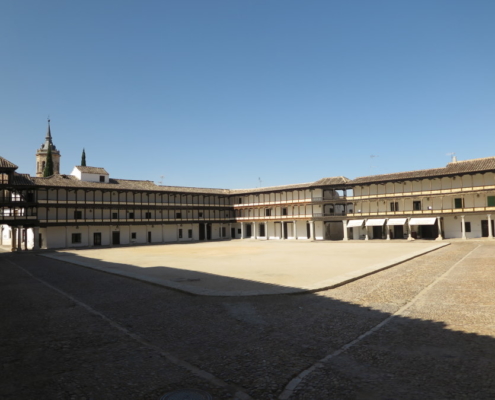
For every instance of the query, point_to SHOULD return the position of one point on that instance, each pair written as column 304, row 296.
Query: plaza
column 243, row 268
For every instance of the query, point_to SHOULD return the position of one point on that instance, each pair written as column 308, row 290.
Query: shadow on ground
column 54, row 348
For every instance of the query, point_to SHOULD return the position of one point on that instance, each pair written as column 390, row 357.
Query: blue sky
column 214, row 93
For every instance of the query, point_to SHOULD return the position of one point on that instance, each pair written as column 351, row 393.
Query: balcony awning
column 375, row 222
column 422, row 221
column 355, row 223
column 396, row 221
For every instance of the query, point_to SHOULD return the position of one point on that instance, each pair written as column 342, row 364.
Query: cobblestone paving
column 115, row 337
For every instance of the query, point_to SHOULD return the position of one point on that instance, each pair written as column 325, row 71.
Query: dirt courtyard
column 248, row 267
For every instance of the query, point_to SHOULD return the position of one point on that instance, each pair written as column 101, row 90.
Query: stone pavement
column 247, row 268
column 424, row 329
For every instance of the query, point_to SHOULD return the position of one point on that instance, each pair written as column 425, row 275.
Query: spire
column 49, row 133
column 48, row 139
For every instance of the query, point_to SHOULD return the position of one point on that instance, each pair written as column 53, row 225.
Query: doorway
column 286, row 233
column 428, row 231
column 262, row 230
column 249, row 231
column 97, row 239
column 232, row 233
column 398, row 232
column 149, row 237
column 116, row 237
column 201, row 231
column 208, row 231
column 377, row 232
column 484, row 227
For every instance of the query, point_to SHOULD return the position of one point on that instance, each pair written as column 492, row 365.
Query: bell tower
column 41, row 155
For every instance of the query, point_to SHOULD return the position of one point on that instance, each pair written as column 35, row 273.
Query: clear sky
column 219, row 93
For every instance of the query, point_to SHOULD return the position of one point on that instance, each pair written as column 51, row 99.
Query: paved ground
column 249, row 267
column 424, row 329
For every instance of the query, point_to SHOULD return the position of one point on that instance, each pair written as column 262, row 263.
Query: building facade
column 90, row 208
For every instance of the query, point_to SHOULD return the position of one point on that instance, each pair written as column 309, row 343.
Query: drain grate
column 187, row 394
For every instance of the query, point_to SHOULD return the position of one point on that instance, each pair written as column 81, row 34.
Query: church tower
column 42, row 152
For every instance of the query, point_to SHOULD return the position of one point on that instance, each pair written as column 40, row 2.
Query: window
column 284, row 211
column 416, row 205
column 133, row 235
column 76, row 238
column 115, row 215
column 178, row 215
column 394, row 206
column 268, row 212
column 189, row 233
column 458, row 203
column 180, row 233
column 468, row 226
column 77, row 214
column 200, row 215
column 102, row 178
column 148, row 215
column 131, row 215
column 239, row 231
column 224, row 231
column 240, row 200
column 490, row 200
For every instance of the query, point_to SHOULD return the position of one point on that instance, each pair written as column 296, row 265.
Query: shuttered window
column 490, row 201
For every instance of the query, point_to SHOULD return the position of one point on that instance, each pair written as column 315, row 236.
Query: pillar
column 344, row 224
column 295, row 229
column 13, row 240
column 463, row 227
column 313, row 235
column 229, row 233
column 439, row 222
column 388, row 231
column 266, row 230
column 255, row 234
column 206, row 231
column 366, row 237
column 490, row 232
column 282, row 230
column 26, row 239
column 242, row 230
column 19, row 239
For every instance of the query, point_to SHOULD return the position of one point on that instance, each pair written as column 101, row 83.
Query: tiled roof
column 22, row 179
column 453, row 168
column 92, row 170
column 271, row 188
column 7, row 164
column 335, row 180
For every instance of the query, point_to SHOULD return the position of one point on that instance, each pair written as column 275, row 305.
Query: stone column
column 266, row 230
column 13, row 240
column 490, row 232
column 229, row 233
column 255, row 234
column 282, row 230
column 26, row 239
column 242, row 230
column 439, row 222
column 409, row 236
column 366, row 237
column 19, row 239
column 313, row 233
column 206, row 231
column 295, row 229
column 388, row 231
column 463, row 227
column 344, row 224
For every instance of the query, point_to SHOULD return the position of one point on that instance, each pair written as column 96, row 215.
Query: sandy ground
column 248, row 267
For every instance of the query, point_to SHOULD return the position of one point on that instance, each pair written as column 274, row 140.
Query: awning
column 355, row 222
column 375, row 222
column 422, row 221
column 396, row 221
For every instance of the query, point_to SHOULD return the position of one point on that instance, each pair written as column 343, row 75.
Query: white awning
column 375, row 222
column 396, row 221
column 355, row 222
column 422, row 221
